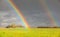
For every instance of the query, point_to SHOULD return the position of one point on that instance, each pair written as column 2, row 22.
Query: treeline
column 14, row 26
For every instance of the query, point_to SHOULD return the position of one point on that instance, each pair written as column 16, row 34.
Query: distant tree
column 46, row 27
column 11, row 26
column 14, row 26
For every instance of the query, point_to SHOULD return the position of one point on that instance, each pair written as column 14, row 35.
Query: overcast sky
column 33, row 10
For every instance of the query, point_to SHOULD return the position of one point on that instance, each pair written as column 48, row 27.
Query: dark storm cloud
column 3, row 5
column 27, row 4
column 32, row 10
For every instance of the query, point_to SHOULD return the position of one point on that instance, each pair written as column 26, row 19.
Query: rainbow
column 19, row 13
column 44, row 5
column 49, row 13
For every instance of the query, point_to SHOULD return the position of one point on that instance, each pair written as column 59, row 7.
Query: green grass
column 33, row 32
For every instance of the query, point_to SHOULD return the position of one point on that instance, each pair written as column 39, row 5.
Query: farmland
column 33, row 32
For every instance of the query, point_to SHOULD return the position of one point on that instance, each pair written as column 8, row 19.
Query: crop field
column 33, row 32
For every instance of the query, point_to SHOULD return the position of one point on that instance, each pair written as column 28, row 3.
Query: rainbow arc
column 19, row 13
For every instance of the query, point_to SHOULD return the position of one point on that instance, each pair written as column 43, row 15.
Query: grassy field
column 33, row 32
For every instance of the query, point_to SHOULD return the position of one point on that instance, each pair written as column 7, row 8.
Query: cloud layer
column 32, row 11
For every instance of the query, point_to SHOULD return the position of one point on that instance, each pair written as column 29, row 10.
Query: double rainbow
column 19, row 13
column 46, row 8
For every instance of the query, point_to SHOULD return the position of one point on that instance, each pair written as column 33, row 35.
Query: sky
column 33, row 11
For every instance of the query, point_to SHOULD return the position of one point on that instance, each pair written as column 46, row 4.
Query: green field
column 33, row 32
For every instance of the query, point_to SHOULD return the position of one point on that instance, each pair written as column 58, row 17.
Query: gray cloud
column 32, row 10
column 7, row 18
column 35, row 14
column 4, row 5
